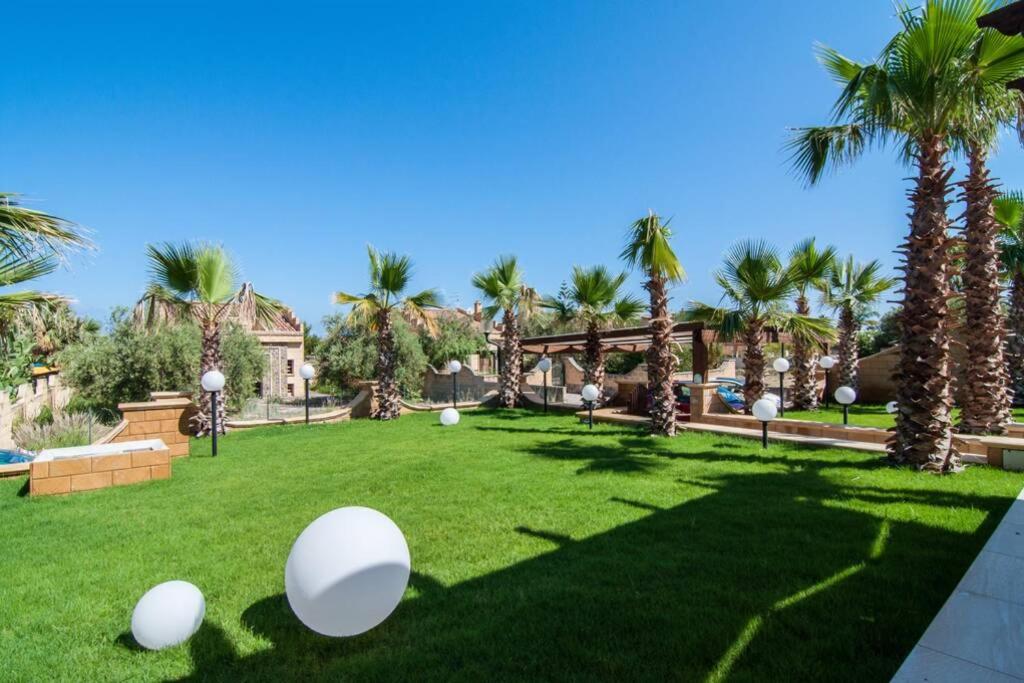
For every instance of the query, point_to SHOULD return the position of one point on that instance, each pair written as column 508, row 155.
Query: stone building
column 282, row 341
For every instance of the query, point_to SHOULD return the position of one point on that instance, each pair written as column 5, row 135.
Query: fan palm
column 755, row 290
column 852, row 289
column 199, row 282
column 648, row 249
column 810, row 267
column 504, row 286
column 914, row 97
column 1009, row 212
column 389, row 278
column 990, row 106
column 596, row 302
column 32, row 244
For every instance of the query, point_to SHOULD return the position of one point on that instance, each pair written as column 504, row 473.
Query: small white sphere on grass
column 826, row 362
column 544, row 364
column 781, row 365
column 449, row 417
column 167, row 615
column 845, row 395
column 590, row 393
column 765, row 409
column 212, row 380
column 347, row 571
column 306, row 371
column 891, row 407
column 454, row 367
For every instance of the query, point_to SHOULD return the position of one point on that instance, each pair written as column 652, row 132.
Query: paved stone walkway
column 978, row 635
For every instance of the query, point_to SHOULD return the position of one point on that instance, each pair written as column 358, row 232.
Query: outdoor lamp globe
column 826, row 362
column 306, row 371
column 845, row 395
column 892, row 407
column 544, row 365
column 765, row 409
column 781, row 365
column 213, row 381
column 168, row 614
column 454, row 367
column 449, row 417
column 590, row 393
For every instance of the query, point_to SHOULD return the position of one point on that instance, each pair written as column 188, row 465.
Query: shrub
column 244, row 364
column 45, row 416
column 347, row 354
column 62, row 431
column 455, row 339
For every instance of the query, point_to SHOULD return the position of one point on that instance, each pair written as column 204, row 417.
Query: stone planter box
column 85, row 468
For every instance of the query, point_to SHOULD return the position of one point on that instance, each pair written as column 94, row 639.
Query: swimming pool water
column 9, row 457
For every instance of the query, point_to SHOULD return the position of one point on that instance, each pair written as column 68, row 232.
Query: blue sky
column 295, row 134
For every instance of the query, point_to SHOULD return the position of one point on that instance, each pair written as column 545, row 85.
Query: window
column 291, row 389
column 291, row 367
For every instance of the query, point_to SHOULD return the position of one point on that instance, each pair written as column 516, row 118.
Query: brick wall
column 97, row 472
column 165, row 418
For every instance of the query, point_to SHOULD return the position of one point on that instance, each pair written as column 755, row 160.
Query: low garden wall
column 166, row 416
column 437, row 386
column 89, row 472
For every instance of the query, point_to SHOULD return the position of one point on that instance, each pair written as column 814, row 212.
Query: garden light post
column 590, row 395
column 764, row 410
column 781, row 366
column 826, row 363
column 306, row 372
column 213, row 382
column 454, row 367
column 544, row 366
column 846, row 396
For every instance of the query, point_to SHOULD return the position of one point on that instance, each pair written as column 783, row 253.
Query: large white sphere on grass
column 765, row 409
column 347, row 571
column 590, row 393
column 167, row 615
column 544, row 364
column 454, row 367
column 449, row 417
column 845, row 395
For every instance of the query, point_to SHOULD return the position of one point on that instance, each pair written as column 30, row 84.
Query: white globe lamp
column 892, row 407
column 347, row 571
column 826, row 363
column 544, row 365
column 212, row 382
column 449, row 417
column 845, row 396
column 168, row 615
column 306, row 372
column 454, row 367
column 765, row 410
column 590, row 394
column 781, row 366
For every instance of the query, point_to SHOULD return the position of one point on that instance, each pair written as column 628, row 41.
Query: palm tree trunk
column 1015, row 337
column 209, row 360
column 512, row 366
column 922, row 436
column 661, row 362
column 805, row 385
column 847, row 348
column 389, row 399
column 593, row 359
column 753, row 362
column 986, row 408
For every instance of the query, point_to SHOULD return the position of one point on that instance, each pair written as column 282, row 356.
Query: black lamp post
column 781, row 365
column 544, row 366
column 827, row 363
column 454, row 367
column 213, row 382
column 764, row 410
column 846, row 396
column 306, row 372
column 590, row 395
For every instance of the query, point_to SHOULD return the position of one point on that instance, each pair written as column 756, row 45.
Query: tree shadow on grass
column 762, row 578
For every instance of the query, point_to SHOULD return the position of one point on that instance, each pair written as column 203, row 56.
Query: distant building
column 478, row 363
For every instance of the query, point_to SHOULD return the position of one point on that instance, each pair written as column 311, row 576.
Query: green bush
column 45, row 416
column 244, row 364
column 347, row 354
column 455, row 338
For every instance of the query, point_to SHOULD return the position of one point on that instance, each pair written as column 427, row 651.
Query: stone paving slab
column 978, row 635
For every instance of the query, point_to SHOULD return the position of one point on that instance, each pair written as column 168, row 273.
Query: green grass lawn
column 540, row 551
column 868, row 415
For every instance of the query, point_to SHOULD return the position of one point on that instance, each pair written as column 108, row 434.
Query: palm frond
column 648, row 248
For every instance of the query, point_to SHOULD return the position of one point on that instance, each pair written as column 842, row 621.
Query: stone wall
column 437, row 386
column 166, row 417
column 45, row 390
column 96, row 472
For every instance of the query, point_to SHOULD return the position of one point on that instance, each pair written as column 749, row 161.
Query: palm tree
column 32, row 244
column 913, row 96
column 504, row 287
column 594, row 301
column 200, row 282
column 389, row 278
column 987, row 398
column 648, row 249
column 756, row 288
column 1009, row 212
column 810, row 268
column 851, row 290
